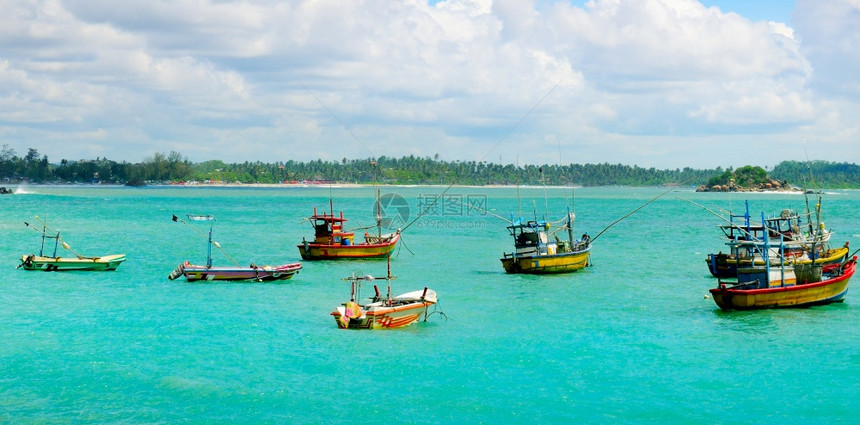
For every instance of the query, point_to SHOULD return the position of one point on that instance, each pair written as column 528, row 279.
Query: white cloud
column 631, row 81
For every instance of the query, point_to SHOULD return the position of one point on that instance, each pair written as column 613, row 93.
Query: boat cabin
column 531, row 239
column 328, row 229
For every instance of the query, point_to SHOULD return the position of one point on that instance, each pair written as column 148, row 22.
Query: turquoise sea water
column 630, row 340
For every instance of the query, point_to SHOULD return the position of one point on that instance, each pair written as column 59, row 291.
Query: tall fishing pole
column 637, row 209
column 60, row 240
column 746, row 232
column 427, row 208
column 469, row 206
column 209, row 236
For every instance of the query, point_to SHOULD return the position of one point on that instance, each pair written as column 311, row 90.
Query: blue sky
column 654, row 83
column 757, row 10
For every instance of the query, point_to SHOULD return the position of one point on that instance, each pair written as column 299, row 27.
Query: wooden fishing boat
column 54, row 264
column 727, row 264
column 57, row 263
column 800, row 243
column 382, row 312
column 536, row 253
column 332, row 242
column 208, row 272
column 765, row 287
column 253, row 272
column 782, row 285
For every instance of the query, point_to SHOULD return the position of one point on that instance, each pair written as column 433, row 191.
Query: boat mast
column 388, row 278
column 42, row 249
column 570, row 228
column 45, row 236
column 379, row 218
column 766, row 253
column 209, row 248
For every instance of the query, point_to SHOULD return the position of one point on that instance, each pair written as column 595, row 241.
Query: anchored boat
column 382, row 312
column 539, row 251
column 776, row 284
column 57, row 263
column 801, row 244
column 208, row 272
column 332, row 242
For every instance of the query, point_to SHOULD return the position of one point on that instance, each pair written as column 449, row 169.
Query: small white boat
column 208, row 272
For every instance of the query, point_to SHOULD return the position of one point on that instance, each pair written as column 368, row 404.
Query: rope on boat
column 403, row 244
column 336, row 118
column 435, row 311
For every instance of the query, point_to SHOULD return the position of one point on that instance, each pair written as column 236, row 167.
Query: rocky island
column 746, row 179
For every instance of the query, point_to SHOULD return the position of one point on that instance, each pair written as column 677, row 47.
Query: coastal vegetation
column 174, row 167
column 745, row 178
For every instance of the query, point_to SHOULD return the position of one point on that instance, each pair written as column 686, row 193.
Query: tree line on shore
column 174, row 167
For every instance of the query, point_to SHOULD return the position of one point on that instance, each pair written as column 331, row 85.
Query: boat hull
column 547, row 264
column 802, row 295
column 194, row 273
column 50, row 264
column 722, row 265
column 381, row 316
column 312, row 251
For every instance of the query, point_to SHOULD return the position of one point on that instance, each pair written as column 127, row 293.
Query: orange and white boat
column 382, row 312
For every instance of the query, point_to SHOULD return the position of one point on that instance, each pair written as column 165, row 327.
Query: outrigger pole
column 59, row 240
column 209, row 236
column 746, row 230
column 637, row 209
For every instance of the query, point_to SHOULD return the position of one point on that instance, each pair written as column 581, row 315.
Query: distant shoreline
column 12, row 187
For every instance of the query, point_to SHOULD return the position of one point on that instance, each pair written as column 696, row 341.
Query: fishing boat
column 539, row 251
column 332, row 242
column 57, row 263
column 382, row 312
column 740, row 256
column 801, row 244
column 779, row 285
column 208, row 272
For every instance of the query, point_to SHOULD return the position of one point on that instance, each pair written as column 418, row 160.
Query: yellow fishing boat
column 536, row 253
column 727, row 264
